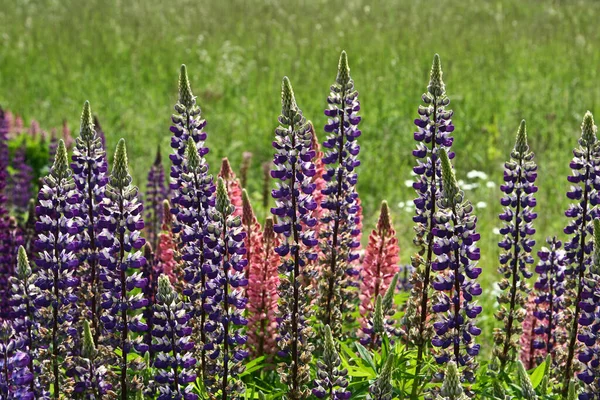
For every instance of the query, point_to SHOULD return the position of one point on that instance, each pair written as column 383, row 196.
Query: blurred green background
column 502, row 61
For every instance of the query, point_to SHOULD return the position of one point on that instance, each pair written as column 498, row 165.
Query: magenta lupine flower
column 294, row 206
column 58, row 226
column 156, row 193
column 578, row 248
column 457, row 272
column 340, row 200
column 121, row 259
column 225, row 303
column 516, row 244
column 16, row 377
column 21, row 186
column 90, row 175
column 167, row 248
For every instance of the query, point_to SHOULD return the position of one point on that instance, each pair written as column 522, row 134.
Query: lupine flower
column 155, row 194
column 589, row 322
column 318, row 180
column 294, row 205
column 196, row 197
column 234, row 189
column 121, row 259
column 339, row 202
column 263, row 280
column 380, row 322
column 331, row 380
column 100, row 134
column 11, row 238
column 89, row 172
column 165, row 253
column 174, row 362
column 21, row 181
column 245, row 167
column 253, row 239
column 16, row 377
column 452, row 387
column 584, row 191
column 404, row 281
column 187, row 122
column 434, row 127
column 527, row 390
column 381, row 388
column 151, row 274
column 532, row 351
column 58, row 227
column 516, row 244
column 6, row 264
column 380, row 264
column 550, row 301
column 456, row 263
column 225, row 304
column 91, row 372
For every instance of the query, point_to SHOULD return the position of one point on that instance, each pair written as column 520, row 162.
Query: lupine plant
column 16, row 377
column 156, row 192
column 331, row 381
column 234, row 188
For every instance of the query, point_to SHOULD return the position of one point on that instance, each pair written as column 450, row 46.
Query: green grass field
column 503, row 61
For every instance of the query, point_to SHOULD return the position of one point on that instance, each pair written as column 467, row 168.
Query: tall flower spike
column 519, row 187
column 166, row 261
column 58, row 226
column 340, row 205
column 434, row 127
column 156, row 193
column 121, row 259
column 452, row 387
column 225, row 302
column 16, row 377
column 197, row 197
column 456, row 281
column 331, row 380
column 187, row 123
column 263, row 280
column 234, row 189
column 294, row 206
column 533, row 350
column 379, row 267
column 90, row 175
column 174, row 362
column 91, row 372
column 381, row 388
column 527, row 390
column 584, row 191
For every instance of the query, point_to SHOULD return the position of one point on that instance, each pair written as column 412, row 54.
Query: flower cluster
column 156, row 192
column 294, row 206
column 234, row 188
column 381, row 388
column 532, row 345
column 93, row 376
column 16, row 378
column 452, row 386
column 340, row 207
column 167, row 248
column 457, row 272
column 331, row 377
column 21, row 180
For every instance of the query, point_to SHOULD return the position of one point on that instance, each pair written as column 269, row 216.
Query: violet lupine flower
column 434, row 127
column 6, row 264
column 584, row 191
column 516, row 244
column 550, row 297
column 120, row 260
column 589, row 322
column 21, row 181
column 156, row 192
column 58, row 226
column 331, row 381
column 263, row 280
column 234, row 188
column 186, row 123
column 456, row 282
column 340, row 200
column 174, row 362
column 294, row 206
column 196, row 197
column 90, row 175
column 225, row 303
column 150, row 273
column 16, row 377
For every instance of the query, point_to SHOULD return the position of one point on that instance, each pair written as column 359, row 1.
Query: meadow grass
column 503, row 61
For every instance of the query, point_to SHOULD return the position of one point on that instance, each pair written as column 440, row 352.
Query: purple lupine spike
column 550, row 297
column 516, row 244
column 457, row 272
column 121, row 259
column 225, row 303
column 6, row 262
column 339, row 230
column 58, row 226
column 584, row 191
column 21, row 181
column 174, row 362
column 186, row 123
column 196, row 197
column 151, row 274
column 90, row 175
column 156, row 193
column 92, row 373
column 294, row 206
column 16, row 377
column 12, row 238
column 434, row 127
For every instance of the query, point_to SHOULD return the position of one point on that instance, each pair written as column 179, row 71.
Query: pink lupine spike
column 165, row 253
column 380, row 264
column 234, row 189
column 263, row 281
column 530, row 355
column 320, row 183
column 34, row 129
column 252, row 228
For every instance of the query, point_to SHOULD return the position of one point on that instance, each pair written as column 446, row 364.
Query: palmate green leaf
column 538, row 375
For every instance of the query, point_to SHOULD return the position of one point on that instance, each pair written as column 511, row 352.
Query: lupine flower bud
column 174, row 361
column 381, row 388
column 234, row 189
column 331, row 381
column 91, row 372
column 527, row 390
column 294, row 205
column 516, row 244
column 121, row 259
column 156, row 193
column 456, row 262
column 16, row 377
column 452, row 387
column 339, row 203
